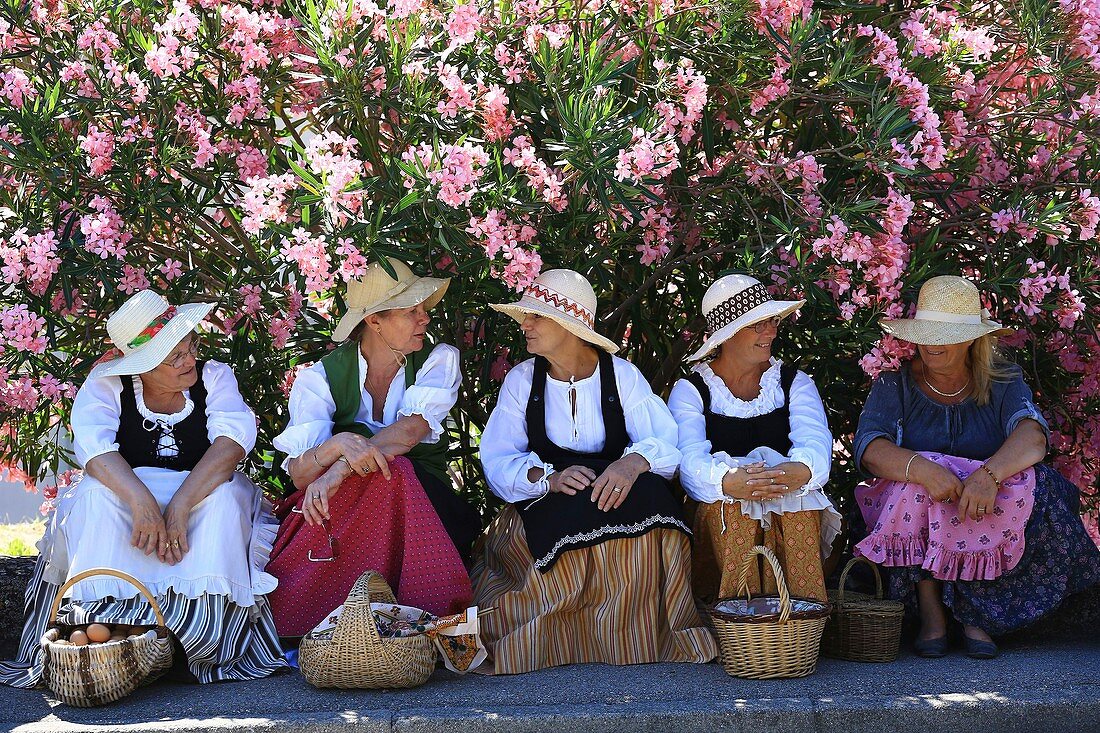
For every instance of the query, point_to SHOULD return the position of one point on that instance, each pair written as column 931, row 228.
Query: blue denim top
column 897, row 410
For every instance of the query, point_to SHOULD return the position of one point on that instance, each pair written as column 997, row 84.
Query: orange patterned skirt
column 794, row 537
column 624, row 601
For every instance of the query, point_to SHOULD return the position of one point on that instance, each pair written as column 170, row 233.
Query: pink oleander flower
column 133, row 279
column 463, row 24
column 171, row 269
column 102, row 231
column 250, row 299
column 100, row 147
column 1088, row 216
column 354, row 264
column 310, row 254
column 22, row 330
column 646, row 158
column 16, row 87
column 500, row 366
column 264, row 201
column 251, row 163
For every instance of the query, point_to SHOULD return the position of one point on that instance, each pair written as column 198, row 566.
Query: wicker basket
column 771, row 636
column 862, row 628
column 356, row 657
column 96, row 674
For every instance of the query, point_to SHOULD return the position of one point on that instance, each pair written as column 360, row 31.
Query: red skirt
column 386, row 526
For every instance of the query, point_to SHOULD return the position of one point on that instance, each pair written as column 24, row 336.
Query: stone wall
column 15, row 573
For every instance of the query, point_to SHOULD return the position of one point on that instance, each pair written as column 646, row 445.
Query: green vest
column 342, row 372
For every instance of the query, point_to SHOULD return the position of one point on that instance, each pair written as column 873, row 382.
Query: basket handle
column 113, row 573
column 780, row 580
column 844, row 576
column 370, row 588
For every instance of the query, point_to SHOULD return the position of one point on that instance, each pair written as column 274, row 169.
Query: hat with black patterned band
column 565, row 296
column 736, row 301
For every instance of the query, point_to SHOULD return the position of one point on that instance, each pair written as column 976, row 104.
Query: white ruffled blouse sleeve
column 227, row 414
column 95, row 417
column 504, row 443
column 435, row 390
column 701, row 473
column 811, row 441
column 649, row 424
column 311, row 410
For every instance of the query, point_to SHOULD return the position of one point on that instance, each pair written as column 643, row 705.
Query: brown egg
column 78, row 638
column 98, row 633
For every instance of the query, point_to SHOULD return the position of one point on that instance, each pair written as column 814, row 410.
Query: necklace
column 946, row 394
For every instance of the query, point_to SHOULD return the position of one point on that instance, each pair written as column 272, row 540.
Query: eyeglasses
column 762, row 326
column 175, row 361
column 331, row 541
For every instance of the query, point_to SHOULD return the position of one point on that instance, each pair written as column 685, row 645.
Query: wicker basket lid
column 764, row 609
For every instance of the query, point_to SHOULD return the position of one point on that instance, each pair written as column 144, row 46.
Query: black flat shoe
column 977, row 649
column 931, row 648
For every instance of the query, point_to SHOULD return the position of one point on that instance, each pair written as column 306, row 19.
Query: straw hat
column 144, row 330
column 736, row 301
column 376, row 291
column 949, row 311
column 568, row 298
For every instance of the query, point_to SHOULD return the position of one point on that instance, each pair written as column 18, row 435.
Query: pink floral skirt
column 909, row 528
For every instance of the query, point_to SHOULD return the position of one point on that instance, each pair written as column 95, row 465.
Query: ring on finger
column 616, row 491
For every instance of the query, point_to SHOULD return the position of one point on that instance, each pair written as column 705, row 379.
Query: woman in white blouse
column 590, row 561
column 159, row 434
column 368, row 456
column 756, row 448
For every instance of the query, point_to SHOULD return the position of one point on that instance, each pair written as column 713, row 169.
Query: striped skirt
column 222, row 641
column 624, row 601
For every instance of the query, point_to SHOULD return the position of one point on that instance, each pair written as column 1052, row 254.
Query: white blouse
column 701, row 471
column 432, row 395
column 504, row 444
column 98, row 405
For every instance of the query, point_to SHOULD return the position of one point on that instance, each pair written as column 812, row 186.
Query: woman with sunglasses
column 159, row 434
column 756, row 448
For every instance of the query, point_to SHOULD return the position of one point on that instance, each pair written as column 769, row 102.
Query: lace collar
column 159, row 417
column 726, row 403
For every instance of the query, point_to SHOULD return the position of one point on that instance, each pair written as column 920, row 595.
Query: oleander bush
column 260, row 154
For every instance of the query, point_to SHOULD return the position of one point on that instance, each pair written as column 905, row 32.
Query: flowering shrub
column 260, row 154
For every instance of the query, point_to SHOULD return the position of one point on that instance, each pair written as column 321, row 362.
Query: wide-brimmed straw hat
column 736, row 301
column 377, row 291
column 949, row 311
column 568, row 298
column 143, row 331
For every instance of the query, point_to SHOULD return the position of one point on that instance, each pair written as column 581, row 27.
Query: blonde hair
column 988, row 365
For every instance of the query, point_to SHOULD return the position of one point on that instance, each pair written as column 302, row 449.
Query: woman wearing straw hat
column 590, row 560
column 159, row 433
column 367, row 452
column 756, row 448
column 962, row 509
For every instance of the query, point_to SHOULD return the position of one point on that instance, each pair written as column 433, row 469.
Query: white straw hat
column 736, row 301
column 949, row 311
column 144, row 330
column 377, row 291
column 568, row 298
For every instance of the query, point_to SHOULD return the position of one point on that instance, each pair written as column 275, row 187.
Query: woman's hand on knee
column 754, row 482
column 149, row 534
column 940, row 483
column 364, row 457
column 176, row 518
column 571, row 480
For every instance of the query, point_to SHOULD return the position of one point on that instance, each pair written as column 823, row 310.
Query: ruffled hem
column 899, row 550
column 729, row 404
column 814, row 500
column 435, row 425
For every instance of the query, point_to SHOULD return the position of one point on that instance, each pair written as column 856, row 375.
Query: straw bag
column 769, row 636
column 356, row 656
column 96, row 674
column 862, row 628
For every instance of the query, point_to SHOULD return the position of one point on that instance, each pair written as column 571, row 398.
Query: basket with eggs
column 94, row 664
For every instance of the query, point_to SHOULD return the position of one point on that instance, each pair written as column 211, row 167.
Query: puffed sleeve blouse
column 504, row 449
column 97, row 406
column 701, row 471
column 899, row 411
column 432, row 394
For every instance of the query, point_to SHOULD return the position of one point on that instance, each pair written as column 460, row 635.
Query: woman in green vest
column 367, row 452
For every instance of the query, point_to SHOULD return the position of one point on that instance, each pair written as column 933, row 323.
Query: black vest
column 737, row 436
column 139, row 437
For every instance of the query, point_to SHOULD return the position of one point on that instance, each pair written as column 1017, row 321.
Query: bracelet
column 317, row 460
column 992, row 475
column 909, row 464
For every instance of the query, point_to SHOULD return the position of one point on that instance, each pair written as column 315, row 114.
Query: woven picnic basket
column 770, row 636
column 355, row 656
column 96, row 674
column 862, row 628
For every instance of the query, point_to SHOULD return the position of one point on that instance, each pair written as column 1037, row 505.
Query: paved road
column 1040, row 685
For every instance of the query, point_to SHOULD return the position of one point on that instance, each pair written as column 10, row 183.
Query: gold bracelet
column 909, row 464
column 992, row 475
column 316, row 459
